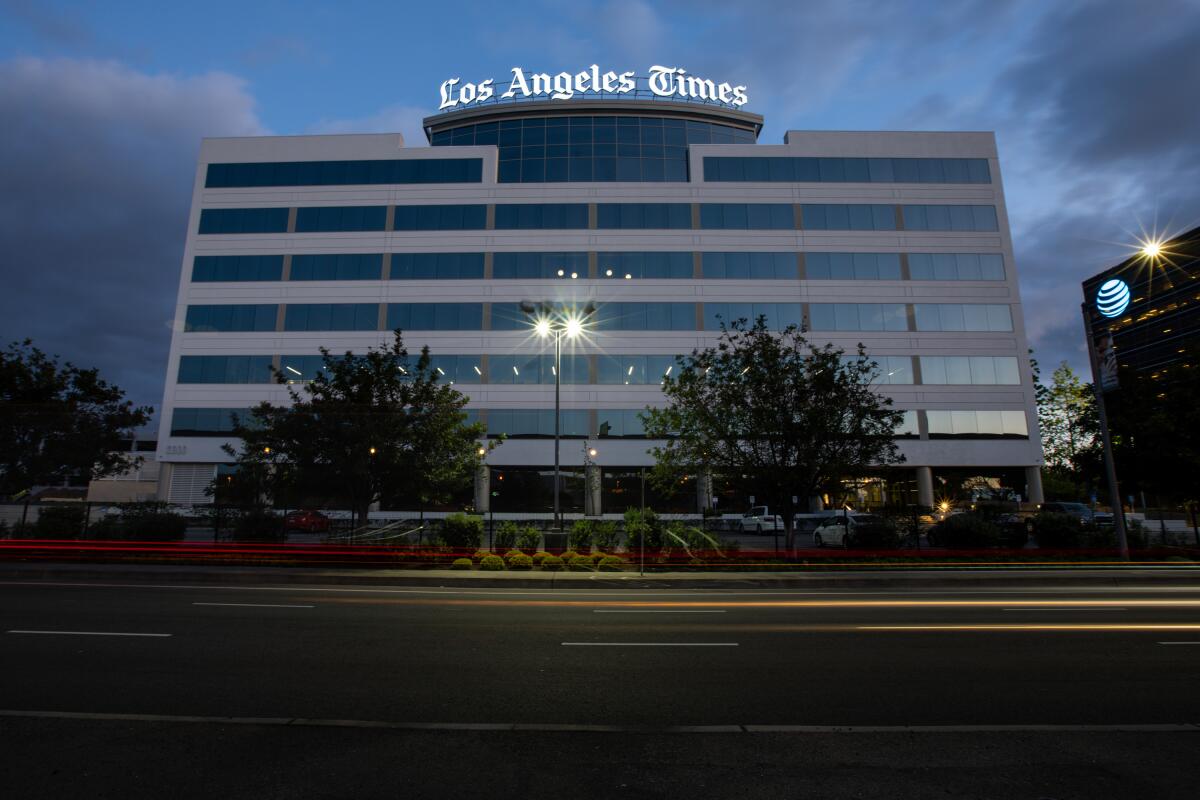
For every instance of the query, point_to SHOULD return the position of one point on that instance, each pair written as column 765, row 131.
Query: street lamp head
column 591, row 452
column 371, row 451
column 483, row 451
column 542, row 327
column 1152, row 248
column 267, row 450
column 574, row 327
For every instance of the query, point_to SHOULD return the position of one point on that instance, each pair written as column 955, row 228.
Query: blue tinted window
column 337, row 267
column 225, row 369
column 848, row 217
column 537, row 423
column 741, row 266
column 846, row 170
column 332, row 173
column 619, row 266
column 747, row 216
column 963, row 317
column 298, row 369
column 341, row 218
column 538, row 216
column 242, row 318
column 440, row 218
column 508, row 266
column 537, row 369
column 612, row 423
column 243, row 220
column 633, row 370
column 436, row 266
column 207, row 421
column 779, row 315
column 644, row 215
column 950, row 218
column 645, row 317
column 236, row 268
column 435, row 316
column 956, row 266
column 331, row 317
column 457, row 369
column 858, row 317
column 852, row 266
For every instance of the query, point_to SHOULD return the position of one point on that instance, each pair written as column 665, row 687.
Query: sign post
column 1101, row 386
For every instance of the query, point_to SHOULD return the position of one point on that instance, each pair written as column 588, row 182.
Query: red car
column 306, row 521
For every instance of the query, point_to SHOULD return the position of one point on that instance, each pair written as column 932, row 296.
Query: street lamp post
column 551, row 321
column 1110, row 467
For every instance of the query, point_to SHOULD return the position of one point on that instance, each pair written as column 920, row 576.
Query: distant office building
column 1151, row 306
column 664, row 211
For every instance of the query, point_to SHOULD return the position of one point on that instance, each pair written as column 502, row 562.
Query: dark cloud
column 98, row 163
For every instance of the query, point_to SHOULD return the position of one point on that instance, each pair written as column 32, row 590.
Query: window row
column 616, row 423
column 619, row 265
column 983, row 317
column 791, row 169
column 629, row 370
column 341, row 173
column 574, row 216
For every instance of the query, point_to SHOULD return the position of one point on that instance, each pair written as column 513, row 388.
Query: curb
column 955, row 579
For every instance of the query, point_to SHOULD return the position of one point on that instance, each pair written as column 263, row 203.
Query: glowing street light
column 1151, row 248
column 550, row 320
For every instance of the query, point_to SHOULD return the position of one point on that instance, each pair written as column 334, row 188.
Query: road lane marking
column 1066, row 609
column 254, row 605
column 90, row 633
column 649, row 644
column 1055, row 626
column 1179, row 642
column 655, row 611
column 1186, row 727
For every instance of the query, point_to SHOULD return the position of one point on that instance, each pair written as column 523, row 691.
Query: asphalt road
column 336, row 691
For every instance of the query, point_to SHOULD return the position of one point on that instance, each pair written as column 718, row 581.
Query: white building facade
column 670, row 217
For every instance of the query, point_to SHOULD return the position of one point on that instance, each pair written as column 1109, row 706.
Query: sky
column 103, row 105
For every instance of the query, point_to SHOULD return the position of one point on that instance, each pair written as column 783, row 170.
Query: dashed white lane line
column 91, row 633
column 649, row 644
column 255, row 605
column 645, row 611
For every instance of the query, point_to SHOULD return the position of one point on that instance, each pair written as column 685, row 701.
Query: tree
column 368, row 425
column 775, row 414
column 1070, row 428
column 58, row 421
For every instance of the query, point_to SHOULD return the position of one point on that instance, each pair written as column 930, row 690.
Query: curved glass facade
column 601, row 148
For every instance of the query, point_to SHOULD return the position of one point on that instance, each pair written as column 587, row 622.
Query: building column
column 816, row 504
column 704, row 493
column 591, row 493
column 1033, row 485
column 925, row 486
column 483, row 489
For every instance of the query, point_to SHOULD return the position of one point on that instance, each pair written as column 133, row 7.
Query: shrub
column 529, row 539
column 605, row 536
column 567, row 556
column 964, row 531
column 552, row 562
column 879, row 536
column 150, row 522
column 506, row 535
column 643, row 527
column 1058, row 530
column 461, row 563
column 481, row 554
column 611, row 564
column 579, row 564
column 60, row 522
column 258, row 525
column 492, row 563
column 513, row 552
column 462, row 532
column 596, row 556
column 538, row 557
column 520, row 561
column 580, row 537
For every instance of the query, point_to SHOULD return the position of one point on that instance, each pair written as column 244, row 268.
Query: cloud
column 99, row 161
column 403, row 119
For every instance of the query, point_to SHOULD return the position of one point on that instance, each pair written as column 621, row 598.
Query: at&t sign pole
column 1111, row 301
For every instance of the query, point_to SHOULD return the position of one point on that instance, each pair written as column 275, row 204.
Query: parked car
column 1080, row 511
column 759, row 519
column 808, row 523
column 306, row 522
column 838, row 530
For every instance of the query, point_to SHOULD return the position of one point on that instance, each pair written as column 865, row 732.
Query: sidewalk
column 1117, row 576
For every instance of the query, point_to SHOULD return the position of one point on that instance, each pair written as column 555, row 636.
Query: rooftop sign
column 667, row 83
column 1113, row 298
